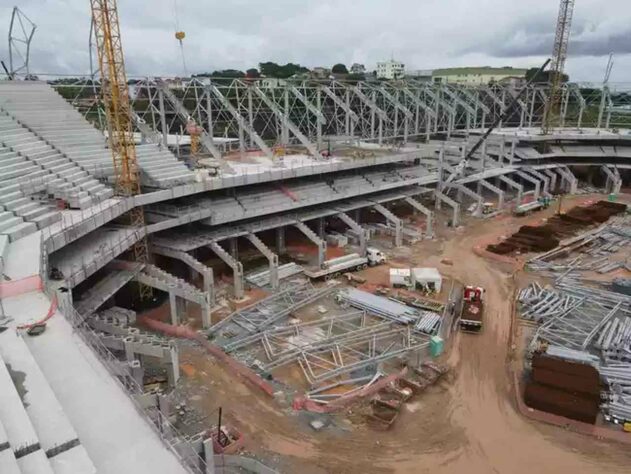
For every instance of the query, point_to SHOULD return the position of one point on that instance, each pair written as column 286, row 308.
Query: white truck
column 353, row 261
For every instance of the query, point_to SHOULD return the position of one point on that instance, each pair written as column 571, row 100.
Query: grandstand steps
column 104, row 289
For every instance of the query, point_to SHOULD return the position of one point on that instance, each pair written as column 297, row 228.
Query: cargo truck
column 472, row 315
column 351, row 262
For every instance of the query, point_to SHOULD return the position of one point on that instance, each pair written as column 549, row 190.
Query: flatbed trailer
column 472, row 315
column 336, row 266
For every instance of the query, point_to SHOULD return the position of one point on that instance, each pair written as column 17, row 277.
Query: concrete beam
column 462, row 189
column 514, row 185
column 236, row 266
column 553, row 178
column 272, row 258
column 544, row 179
column 532, row 180
column 311, row 235
column 614, row 183
column 500, row 194
column 199, row 267
column 361, row 232
column 398, row 226
column 570, row 179
column 429, row 228
column 440, row 197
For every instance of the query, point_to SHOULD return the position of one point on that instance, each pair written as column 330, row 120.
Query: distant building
column 420, row 75
column 390, row 69
column 272, row 82
column 358, row 69
column 476, row 75
column 321, row 72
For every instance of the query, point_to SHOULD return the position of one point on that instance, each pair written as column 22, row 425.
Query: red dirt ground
column 469, row 423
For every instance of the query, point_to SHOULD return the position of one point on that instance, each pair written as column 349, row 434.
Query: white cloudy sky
column 424, row 34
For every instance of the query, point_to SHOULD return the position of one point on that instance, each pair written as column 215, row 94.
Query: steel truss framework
column 271, row 115
column 264, row 313
column 333, row 346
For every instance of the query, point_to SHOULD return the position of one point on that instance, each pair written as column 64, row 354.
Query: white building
column 390, row 69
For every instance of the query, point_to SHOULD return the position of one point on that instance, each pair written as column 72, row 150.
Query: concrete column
column 398, row 225
column 173, row 307
column 543, row 178
column 418, row 207
column 137, row 372
column 171, row 362
column 532, row 180
column 321, row 244
column 281, row 249
column 209, row 456
column 462, row 189
column 321, row 227
column 235, row 265
column 272, row 258
column 454, row 205
column 234, row 247
column 182, row 307
column 569, row 177
column 515, row 185
column 359, row 230
column 553, row 179
column 495, row 189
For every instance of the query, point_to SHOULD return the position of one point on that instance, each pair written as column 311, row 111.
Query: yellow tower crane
column 115, row 95
column 559, row 56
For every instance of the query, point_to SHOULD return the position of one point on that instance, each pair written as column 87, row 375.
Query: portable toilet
column 436, row 346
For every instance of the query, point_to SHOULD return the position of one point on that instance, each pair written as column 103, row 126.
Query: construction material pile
column 548, row 236
column 386, row 405
column 563, row 387
column 424, row 321
column 586, row 326
column 600, row 252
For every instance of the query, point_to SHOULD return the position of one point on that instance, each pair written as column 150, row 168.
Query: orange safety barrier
column 51, row 311
column 19, row 287
column 187, row 333
column 289, row 193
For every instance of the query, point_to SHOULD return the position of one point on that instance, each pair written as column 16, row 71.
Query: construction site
column 320, row 276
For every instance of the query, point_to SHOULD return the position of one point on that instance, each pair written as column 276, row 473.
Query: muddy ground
column 466, row 423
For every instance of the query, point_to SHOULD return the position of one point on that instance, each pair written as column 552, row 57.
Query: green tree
column 271, row 69
column 339, row 69
column 228, row 73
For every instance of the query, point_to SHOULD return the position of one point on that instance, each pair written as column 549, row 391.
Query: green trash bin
column 612, row 197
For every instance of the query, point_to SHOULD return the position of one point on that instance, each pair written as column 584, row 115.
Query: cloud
column 241, row 33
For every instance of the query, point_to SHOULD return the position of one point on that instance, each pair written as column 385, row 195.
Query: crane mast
column 559, row 56
column 115, row 96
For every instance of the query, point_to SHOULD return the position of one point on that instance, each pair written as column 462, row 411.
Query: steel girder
column 236, row 117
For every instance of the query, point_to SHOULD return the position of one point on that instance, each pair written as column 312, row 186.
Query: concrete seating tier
column 51, row 117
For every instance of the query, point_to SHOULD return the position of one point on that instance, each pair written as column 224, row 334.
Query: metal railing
column 107, row 252
column 168, row 433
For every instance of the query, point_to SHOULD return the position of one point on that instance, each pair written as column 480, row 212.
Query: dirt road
column 468, row 423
